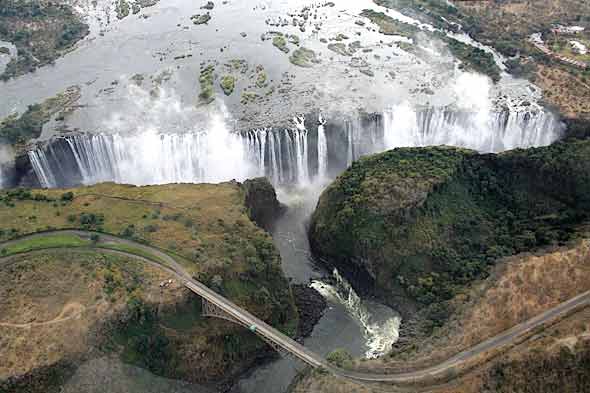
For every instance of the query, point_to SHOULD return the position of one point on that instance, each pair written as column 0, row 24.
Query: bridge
column 217, row 306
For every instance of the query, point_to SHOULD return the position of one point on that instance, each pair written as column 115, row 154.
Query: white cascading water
column 6, row 161
column 139, row 151
column 350, row 139
column 301, row 151
column 473, row 121
column 281, row 155
column 493, row 132
column 42, row 169
column 381, row 334
column 216, row 154
column 322, row 149
column 151, row 158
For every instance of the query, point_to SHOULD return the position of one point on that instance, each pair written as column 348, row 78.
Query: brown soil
column 52, row 304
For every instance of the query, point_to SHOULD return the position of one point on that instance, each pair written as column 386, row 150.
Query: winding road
column 439, row 373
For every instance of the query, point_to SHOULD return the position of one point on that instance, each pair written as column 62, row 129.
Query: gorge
column 381, row 180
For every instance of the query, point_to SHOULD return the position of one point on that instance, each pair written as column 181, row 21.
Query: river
column 362, row 328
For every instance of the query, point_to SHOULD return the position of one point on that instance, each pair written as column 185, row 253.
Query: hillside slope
column 416, row 225
column 121, row 307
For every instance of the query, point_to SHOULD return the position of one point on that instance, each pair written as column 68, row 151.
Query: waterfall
column 146, row 158
column 281, row 154
column 301, row 156
column 261, row 138
column 349, row 144
column 322, row 149
column 380, row 324
column 42, row 169
column 290, row 155
column 267, row 152
column 482, row 131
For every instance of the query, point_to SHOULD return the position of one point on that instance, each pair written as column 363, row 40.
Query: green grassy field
column 45, row 242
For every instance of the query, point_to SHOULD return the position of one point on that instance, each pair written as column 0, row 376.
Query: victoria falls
column 294, row 196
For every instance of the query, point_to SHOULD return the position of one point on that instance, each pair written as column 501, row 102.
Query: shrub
column 67, row 196
column 340, row 358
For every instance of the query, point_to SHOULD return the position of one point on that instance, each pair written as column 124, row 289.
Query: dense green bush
column 429, row 221
column 340, row 358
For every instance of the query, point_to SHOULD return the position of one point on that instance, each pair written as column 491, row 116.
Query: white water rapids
column 380, row 334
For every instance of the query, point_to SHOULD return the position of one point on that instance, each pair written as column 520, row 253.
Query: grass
column 304, row 57
column 43, row 287
column 228, row 83
column 45, row 242
column 388, row 25
column 134, row 250
column 204, row 227
column 206, row 79
column 280, row 43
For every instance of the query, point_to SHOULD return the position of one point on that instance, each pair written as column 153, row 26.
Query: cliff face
column 425, row 222
column 261, row 200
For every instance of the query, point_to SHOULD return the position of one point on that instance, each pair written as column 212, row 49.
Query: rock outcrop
column 262, row 203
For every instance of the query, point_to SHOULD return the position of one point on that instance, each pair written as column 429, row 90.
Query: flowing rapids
column 380, row 333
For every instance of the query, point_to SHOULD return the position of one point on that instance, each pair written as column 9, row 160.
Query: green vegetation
column 477, row 59
column 281, row 43
column 204, row 227
column 304, row 57
column 44, row 242
column 505, row 26
column 249, row 97
column 340, row 358
column 17, row 129
column 388, row 25
column 261, row 78
column 429, row 221
column 227, row 84
column 340, row 48
column 207, row 94
column 41, row 31
column 209, row 6
column 239, row 65
column 293, row 39
column 122, row 9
